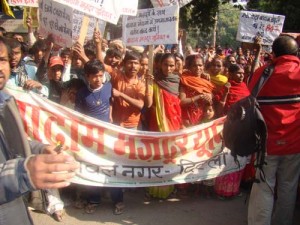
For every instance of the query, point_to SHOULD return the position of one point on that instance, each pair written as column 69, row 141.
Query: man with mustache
column 21, row 171
column 128, row 93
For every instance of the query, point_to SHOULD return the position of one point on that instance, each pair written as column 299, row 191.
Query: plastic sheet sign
column 56, row 19
column 28, row 3
column 268, row 26
column 163, row 3
column 107, row 10
column 152, row 26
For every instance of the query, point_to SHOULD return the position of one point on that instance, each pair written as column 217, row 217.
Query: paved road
column 192, row 210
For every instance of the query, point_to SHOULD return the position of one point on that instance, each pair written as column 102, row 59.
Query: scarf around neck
column 170, row 83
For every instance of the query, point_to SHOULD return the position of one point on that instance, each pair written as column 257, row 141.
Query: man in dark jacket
column 21, row 172
column 279, row 100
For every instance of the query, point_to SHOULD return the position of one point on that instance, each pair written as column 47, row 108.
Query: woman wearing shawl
column 195, row 91
column 229, row 185
column 165, row 111
column 216, row 68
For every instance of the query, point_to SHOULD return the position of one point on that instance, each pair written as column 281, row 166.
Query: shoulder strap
column 262, row 80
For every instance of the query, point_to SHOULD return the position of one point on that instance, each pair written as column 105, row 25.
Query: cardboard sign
column 163, row 3
column 107, row 10
column 56, row 19
column 28, row 3
column 268, row 26
column 152, row 26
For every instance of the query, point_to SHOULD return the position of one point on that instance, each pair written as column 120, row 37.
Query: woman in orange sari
column 195, row 90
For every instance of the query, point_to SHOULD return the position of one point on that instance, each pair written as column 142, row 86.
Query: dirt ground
column 191, row 210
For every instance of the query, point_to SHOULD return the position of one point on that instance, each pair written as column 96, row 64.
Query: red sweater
column 280, row 104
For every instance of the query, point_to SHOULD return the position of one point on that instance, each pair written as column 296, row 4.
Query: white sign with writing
column 268, row 26
column 152, row 26
column 56, row 19
column 163, row 3
column 107, row 10
column 77, row 22
column 129, row 7
column 28, row 3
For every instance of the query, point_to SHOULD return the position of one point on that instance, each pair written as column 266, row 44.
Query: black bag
column 245, row 131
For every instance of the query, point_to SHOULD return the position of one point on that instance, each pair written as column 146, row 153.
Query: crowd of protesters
column 111, row 82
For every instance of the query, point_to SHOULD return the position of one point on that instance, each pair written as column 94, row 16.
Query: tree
column 199, row 14
column 289, row 8
column 228, row 22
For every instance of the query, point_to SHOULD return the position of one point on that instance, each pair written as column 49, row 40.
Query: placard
column 107, row 10
column 252, row 24
column 152, row 26
column 56, row 19
column 163, row 3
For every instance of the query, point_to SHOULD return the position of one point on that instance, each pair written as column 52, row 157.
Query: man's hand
column 227, row 87
column 205, row 76
column 116, row 93
column 79, row 50
column 51, row 171
column 97, row 37
column 31, row 84
column 52, row 149
column 29, row 22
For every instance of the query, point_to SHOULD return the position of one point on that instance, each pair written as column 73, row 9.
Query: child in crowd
column 113, row 57
column 70, row 91
column 95, row 100
column 66, row 56
column 55, row 71
column 208, row 115
column 144, row 67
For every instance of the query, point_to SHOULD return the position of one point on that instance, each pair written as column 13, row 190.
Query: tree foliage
column 228, row 21
column 199, row 14
column 289, row 8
